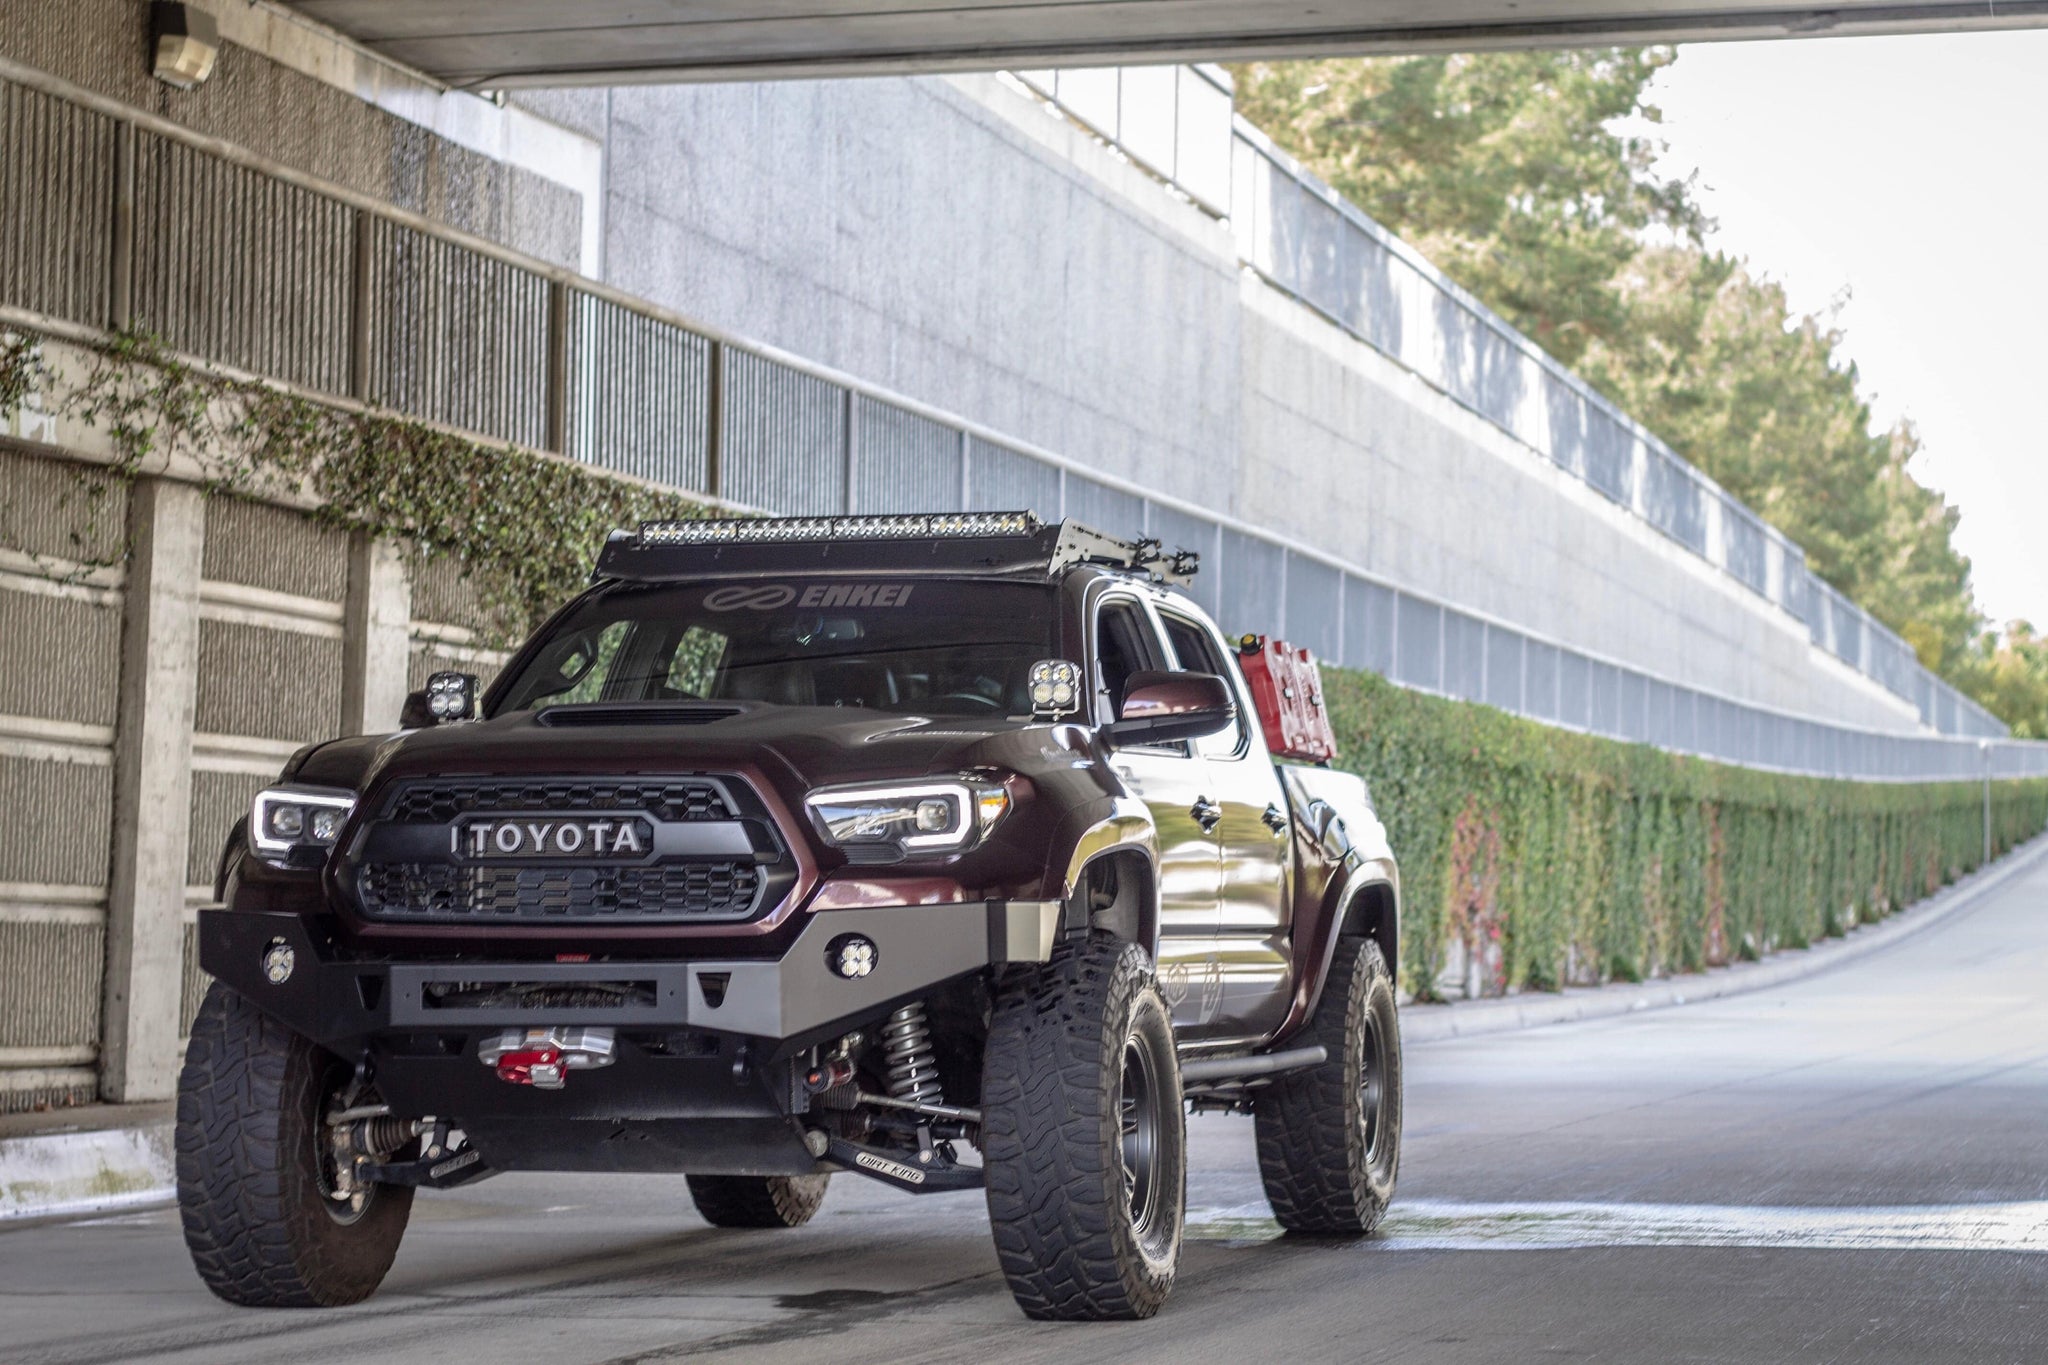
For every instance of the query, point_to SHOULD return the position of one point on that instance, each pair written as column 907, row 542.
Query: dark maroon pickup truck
column 943, row 850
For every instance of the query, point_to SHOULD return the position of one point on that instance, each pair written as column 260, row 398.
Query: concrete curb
column 1466, row 1019
column 106, row 1158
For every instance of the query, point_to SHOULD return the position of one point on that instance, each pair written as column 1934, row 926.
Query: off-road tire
column 758, row 1201
column 1061, row 1043
column 1327, row 1171
column 262, row 1231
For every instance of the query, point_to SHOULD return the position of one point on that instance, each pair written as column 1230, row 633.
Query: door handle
column 1275, row 818
column 1207, row 814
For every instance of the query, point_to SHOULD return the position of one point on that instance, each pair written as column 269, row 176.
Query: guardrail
column 116, row 218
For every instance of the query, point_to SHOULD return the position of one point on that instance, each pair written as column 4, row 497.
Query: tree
column 1504, row 169
column 2008, row 674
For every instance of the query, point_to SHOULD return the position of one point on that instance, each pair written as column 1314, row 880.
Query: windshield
column 924, row 646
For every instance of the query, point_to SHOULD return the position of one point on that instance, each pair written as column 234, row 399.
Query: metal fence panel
column 1630, row 713
column 1504, row 660
column 1146, row 115
column 1848, row 629
column 241, row 267
column 1322, row 255
column 903, row 462
column 1671, row 498
column 782, row 438
column 1745, row 546
column 1609, row 450
column 1203, row 147
column 639, row 398
column 1657, row 728
column 1314, row 617
column 1419, row 634
column 1574, row 689
column 1100, row 507
column 56, row 196
column 1464, row 656
column 1251, row 581
column 1539, row 681
column 1003, row 480
column 457, row 337
column 1604, row 709
column 1368, row 625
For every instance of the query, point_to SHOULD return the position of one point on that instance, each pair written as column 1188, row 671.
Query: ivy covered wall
column 1533, row 858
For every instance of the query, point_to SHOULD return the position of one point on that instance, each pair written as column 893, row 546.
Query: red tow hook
column 539, row 1067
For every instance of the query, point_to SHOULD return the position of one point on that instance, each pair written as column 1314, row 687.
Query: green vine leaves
column 523, row 526
column 1534, row 858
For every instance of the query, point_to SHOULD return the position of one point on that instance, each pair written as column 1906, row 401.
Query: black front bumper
column 780, row 1004
column 709, row 1056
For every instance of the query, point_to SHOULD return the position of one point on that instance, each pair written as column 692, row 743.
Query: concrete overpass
column 612, row 42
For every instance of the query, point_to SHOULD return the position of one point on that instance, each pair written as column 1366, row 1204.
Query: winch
column 544, row 1057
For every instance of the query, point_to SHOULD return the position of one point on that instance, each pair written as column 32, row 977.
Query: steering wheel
column 990, row 702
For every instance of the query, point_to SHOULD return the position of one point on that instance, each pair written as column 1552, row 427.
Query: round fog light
column 851, row 956
column 278, row 961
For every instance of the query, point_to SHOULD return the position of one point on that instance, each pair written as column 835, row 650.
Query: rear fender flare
column 1367, row 904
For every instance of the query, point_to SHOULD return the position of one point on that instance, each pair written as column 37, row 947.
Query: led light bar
column 763, row 530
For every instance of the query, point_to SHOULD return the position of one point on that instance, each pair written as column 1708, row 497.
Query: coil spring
column 907, row 1056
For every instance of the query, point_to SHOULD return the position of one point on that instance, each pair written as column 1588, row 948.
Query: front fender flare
column 1118, row 824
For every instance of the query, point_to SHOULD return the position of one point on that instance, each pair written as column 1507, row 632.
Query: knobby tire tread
column 1050, row 1143
column 248, row 1187
column 1311, row 1146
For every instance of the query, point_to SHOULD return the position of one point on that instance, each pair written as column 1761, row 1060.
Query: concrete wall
column 162, row 652
column 946, row 240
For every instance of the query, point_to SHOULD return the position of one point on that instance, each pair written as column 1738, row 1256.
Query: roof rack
column 1010, row 544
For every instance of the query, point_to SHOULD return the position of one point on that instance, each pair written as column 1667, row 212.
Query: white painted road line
column 1447, row 1225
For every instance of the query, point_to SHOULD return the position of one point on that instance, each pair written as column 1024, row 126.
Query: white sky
column 1911, row 175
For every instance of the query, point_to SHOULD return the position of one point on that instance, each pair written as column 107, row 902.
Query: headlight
column 905, row 819
column 297, row 826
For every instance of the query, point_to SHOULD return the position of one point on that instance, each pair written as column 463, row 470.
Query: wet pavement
column 1849, row 1168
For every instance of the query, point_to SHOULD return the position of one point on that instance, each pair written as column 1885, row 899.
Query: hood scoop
column 633, row 713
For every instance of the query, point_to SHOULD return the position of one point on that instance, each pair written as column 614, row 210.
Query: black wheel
column 1330, row 1137
column 758, row 1201
column 265, row 1217
column 1084, row 1143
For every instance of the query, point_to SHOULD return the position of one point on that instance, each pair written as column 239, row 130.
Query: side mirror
column 1159, row 708
column 447, row 697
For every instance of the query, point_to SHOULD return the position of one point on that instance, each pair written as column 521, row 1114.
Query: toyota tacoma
column 948, row 851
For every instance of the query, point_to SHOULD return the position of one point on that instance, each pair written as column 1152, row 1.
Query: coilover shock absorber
column 912, row 1068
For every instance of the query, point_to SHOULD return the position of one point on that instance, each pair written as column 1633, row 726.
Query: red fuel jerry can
column 1287, row 688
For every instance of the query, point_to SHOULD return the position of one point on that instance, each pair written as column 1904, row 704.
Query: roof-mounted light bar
column 769, row 530
column 999, row 543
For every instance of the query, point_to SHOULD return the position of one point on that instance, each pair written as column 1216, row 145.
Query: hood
column 793, row 748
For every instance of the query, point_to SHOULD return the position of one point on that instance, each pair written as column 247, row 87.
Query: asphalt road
column 1850, row 1168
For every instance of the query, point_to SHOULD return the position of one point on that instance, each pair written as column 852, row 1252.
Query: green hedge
column 1535, row 858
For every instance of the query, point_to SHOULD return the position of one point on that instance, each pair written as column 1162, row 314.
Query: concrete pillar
column 152, row 792
column 376, row 648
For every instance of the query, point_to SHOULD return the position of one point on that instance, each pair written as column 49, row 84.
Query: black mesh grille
column 674, row 800
column 686, row 891
column 672, row 888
